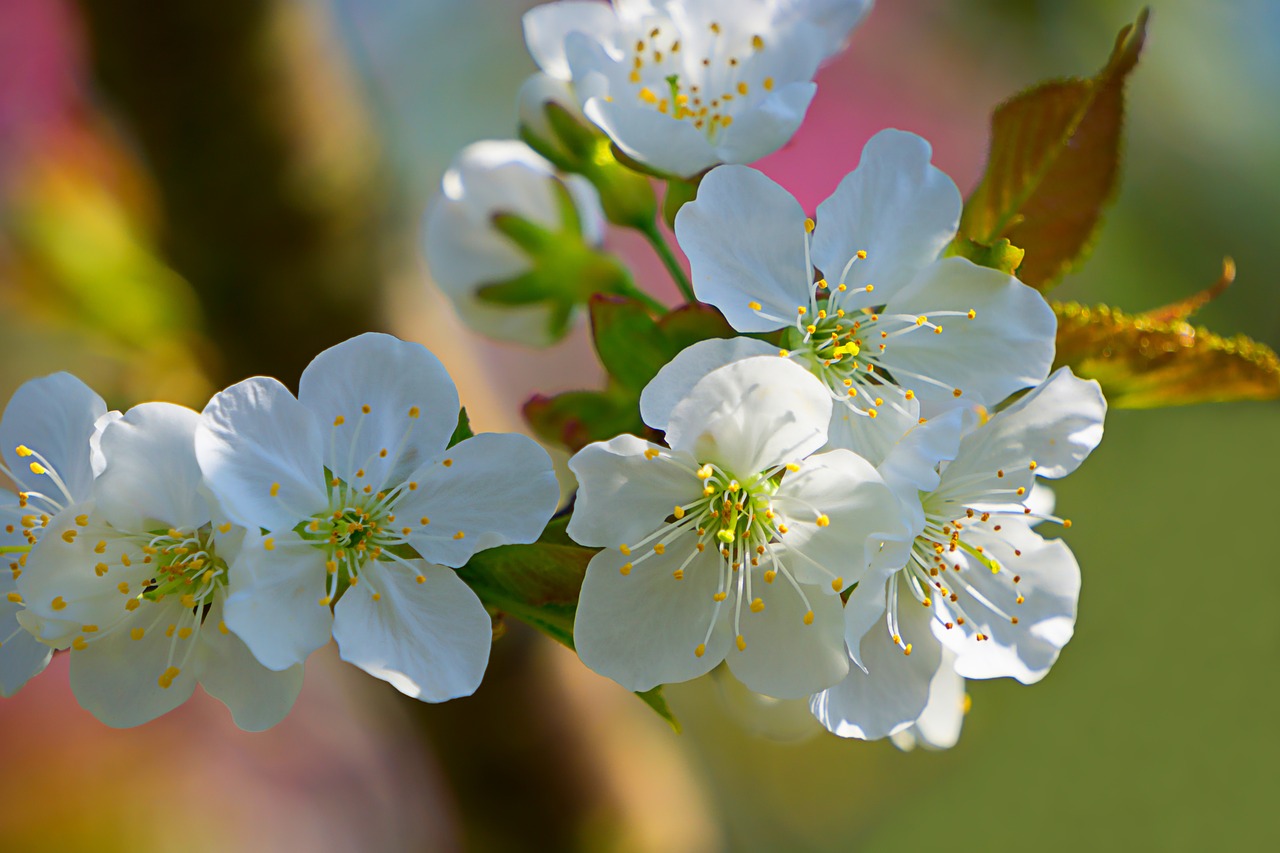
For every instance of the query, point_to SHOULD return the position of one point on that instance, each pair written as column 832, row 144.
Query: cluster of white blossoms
column 848, row 514
column 165, row 547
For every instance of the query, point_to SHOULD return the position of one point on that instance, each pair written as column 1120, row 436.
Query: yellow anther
column 872, row 413
column 937, row 330
column 79, row 644
column 972, row 314
column 1022, row 490
column 782, row 528
column 188, row 600
column 910, row 395
column 459, row 535
column 68, row 536
column 1033, row 465
column 14, row 598
column 339, row 421
column 448, row 463
column 809, row 225
column 800, row 310
column 1066, row 522
column 421, row 579
column 720, row 596
column 659, row 549
column 413, row 487
column 635, row 75
column 811, row 328
column 123, row 587
column 725, row 536
column 808, row 618
column 224, row 528
column 851, row 348
column 58, row 604
column 822, row 520
column 784, row 353
column 742, row 88
column 754, row 306
column 879, row 401
column 23, row 451
column 907, row 650
column 647, row 95
column 37, row 468
column 651, row 453
column 705, row 472
column 275, row 489
column 377, row 596
column 324, row 602
column 678, row 512
column 678, row 574
column 166, row 680
column 132, row 604
column 625, row 549
column 921, row 320
column 184, row 633
column 741, row 642
column 269, row 544
column 365, row 408
column 956, row 393
column 700, row 650
column 837, row 584
column 793, row 467
column 82, row 520
column 137, row 633
column 768, row 84
column 757, row 605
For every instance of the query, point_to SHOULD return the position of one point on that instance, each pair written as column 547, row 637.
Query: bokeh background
column 197, row 191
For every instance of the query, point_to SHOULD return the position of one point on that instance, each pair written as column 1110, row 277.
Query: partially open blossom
column 46, row 447
column 134, row 581
column 365, row 509
column 681, row 86
column 866, row 304
column 514, row 244
column 733, row 542
column 982, row 593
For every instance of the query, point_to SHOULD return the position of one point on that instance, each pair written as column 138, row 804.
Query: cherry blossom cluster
column 166, row 548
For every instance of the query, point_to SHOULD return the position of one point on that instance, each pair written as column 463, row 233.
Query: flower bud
column 515, row 245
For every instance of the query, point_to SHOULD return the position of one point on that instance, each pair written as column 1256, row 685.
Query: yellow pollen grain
column 741, row 642
column 100, row 569
column 784, row 353
column 68, row 536
column 956, row 393
column 365, row 408
column 184, row 633
column 907, row 650
column 822, row 520
column 275, row 489
column 37, row 468
column 972, row 314
column 188, row 600
column 58, row 603
column 166, row 680
column 720, row 596
column 754, row 306
column 448, row 463
column 678, row 512
column 678, row 574
column 14, row 598
column 808, row 618
column 742, row 88
column 646, row 94
column 768, row 84
column 79, row 644
column 700, row 650
column 269, row 544
column 809, row 225
column 651, row 453
column 659, row 548
column 132, row 604
column 459, row 535
column 837, row 584
column 757, row 605
column 339, row 421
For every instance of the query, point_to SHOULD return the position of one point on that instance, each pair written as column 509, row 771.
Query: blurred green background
column 194, row 192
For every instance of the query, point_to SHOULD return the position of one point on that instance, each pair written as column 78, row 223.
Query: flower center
column 705, row 89
column 739, row 520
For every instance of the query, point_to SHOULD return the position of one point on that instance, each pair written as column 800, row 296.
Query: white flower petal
column 494, row 489
column 752, row 415
column 623, row 495
column 659, row 141
column 429, row 640
column 397, row 403
column 676, row 378
column 1049, row 581
column 767, row 126
column 642, row 629
column 939, row 725
column 913, row 462
column 744, row 236
column 253, row 436
column 151, row 472
column 897, row 207
column 784, row 657
column 860, row 514
column 54, row 416
column 894, row 690
column 1008, row 346
column 257, row 697
column 874, row 438
column 22, row 656
column 831, row 20
column 547, row 26
column 274, row 602
column 117, row 678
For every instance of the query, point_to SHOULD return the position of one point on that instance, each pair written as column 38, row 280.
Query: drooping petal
column 492, row 489
column 897, row 207
column 894, row 690
column 22, row 656
column 785, row 656
column 275, row 601
column 642, row 629
column 766, row 127
column 659, row 141
column 53, row 416
column 626, row 489
column 262, row 454
column 151, row 472
column 745, row 239
column 1008, row 345
column 677, row 377
column 427, row 634
column 121, row 680
column 752, row 415
column 547, row 26
column 257, row 697
column 939, row 725
column 838, row 513
column 1049, row 584
column 391, row 403
column 1056, row 425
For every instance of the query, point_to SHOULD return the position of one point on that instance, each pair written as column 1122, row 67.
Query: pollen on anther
column 822, row 520
column 809, row 225
column 700, row 650
column 166, row 679
column 448, row 463
column 741, row 642
column 339, row 421
column 269, row 544
column 956, row 393
column 365, row 408
column 459, row 535
column 837, row 584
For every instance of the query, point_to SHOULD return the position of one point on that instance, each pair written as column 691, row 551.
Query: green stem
column 655, row 238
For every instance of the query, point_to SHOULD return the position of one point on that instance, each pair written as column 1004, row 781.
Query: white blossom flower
column 356, row 487
column 889, row 322
column 45, row 445
column 134, row 581
column 681, row 86
column 982, row 594
column 732, row 543
column 502, row 212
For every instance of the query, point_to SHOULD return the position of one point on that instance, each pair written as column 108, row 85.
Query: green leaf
column 537, row 584
column 655, row 700
column 1159, row 359
column 633, row 346
column 463, row 430
column 574, row 419
column 1053, row 165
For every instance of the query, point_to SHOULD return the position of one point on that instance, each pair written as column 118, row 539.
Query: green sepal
column 658, row 702
column 1003, row 256
column 633, row 346
column 679, row 193
column 462, row 431
column 1054, row 165
column 574, row 419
